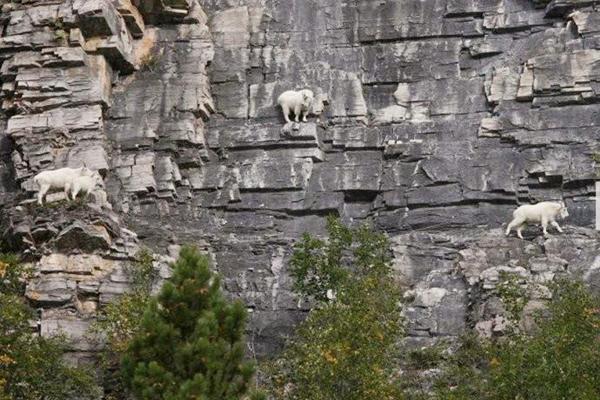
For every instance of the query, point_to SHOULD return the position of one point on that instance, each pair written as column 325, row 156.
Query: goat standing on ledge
column 544, row 213
column 86, row 184
column 297, row 102
column 61, row 178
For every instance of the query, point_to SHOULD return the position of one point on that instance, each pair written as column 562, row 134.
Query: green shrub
column 346, row 347
column 120, row 321
column 559, row 360
column 512, row 292
column 32, row 367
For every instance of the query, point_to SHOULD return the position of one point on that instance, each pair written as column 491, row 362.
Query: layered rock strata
column 433, row 120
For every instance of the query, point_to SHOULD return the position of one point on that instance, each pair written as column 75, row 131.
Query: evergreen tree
column 190, row 344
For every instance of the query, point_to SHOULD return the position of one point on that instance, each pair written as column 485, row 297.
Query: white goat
column 85, row 184
column 544, row 213
column 298, row 102
column 61, row 178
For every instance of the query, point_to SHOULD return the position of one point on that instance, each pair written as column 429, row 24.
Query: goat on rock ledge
column 298, row 102
column 70, row 180
column 544, row 213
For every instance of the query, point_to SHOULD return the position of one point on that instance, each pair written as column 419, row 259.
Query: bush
column 32, row 367
column 120, row 321
column 190, row 341
column 150, row 61
column 559, row 360
column 345, row 348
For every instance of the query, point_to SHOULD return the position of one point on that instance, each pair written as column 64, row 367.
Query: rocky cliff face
column 433, row 120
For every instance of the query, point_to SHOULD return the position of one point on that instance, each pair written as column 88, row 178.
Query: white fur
column 61, row 178
column 85, row 184
column 298, row 102
column 545, row 212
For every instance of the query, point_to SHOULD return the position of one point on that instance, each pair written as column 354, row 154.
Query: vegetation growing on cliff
column 559, row 360
column 120, row 321
column 345, row 348
column 190, row 343
column 32, row 367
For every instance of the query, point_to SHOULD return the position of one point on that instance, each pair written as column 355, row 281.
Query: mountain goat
column 544, row 212
column 298, row 102
column 61, row 178
column 85, row 184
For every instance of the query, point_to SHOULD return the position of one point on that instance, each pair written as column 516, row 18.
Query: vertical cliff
column 433, row 119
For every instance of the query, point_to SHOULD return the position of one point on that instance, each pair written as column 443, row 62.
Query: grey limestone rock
column 433, row 120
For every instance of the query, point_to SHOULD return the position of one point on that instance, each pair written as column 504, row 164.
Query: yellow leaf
column 329, row 357
column 6, row 360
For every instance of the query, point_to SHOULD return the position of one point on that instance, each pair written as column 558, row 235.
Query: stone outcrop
column 452, row 275
column 60, row 62
column 433, row 119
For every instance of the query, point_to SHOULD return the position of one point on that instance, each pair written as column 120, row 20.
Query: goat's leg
column 75, row 192
column 545, row 226
column 515, row 222
column 43, row 190
column 67, row 190
column 286, row 113
column 519, row 229
column 555, row 224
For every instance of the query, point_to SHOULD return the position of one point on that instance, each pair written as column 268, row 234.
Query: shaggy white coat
column 545, row 213
column 298, row 102
column 85, row 184
column 61, row 178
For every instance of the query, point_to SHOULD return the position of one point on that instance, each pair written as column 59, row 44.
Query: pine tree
column 190, row 345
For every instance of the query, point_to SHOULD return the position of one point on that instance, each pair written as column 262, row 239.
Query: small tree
column 32, row 367
column 346, row 347
column 190, row 343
